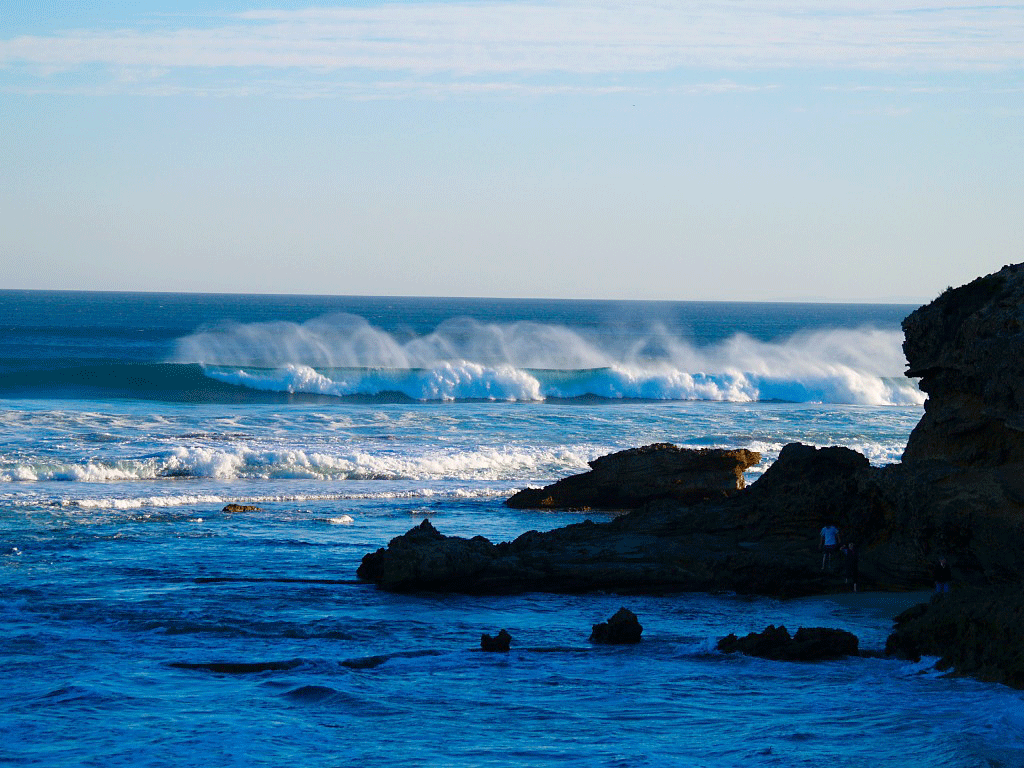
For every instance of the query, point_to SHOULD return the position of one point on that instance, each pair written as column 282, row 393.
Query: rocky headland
column 692, row 526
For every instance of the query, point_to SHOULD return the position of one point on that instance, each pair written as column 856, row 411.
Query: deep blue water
column 127, row 421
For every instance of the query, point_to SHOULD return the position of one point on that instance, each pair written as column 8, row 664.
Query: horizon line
column 891, row 301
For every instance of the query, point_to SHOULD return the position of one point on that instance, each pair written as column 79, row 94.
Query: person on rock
column 942, row 575
column 829, row 544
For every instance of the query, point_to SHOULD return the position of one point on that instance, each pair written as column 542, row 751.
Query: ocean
column 142, row 625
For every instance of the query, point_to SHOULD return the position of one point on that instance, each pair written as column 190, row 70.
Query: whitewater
column 464, row 359
column 145, row 625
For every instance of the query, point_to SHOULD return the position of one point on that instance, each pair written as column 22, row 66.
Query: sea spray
column 463, row 359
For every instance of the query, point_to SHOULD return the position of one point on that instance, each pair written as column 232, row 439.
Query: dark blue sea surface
column 143, row 625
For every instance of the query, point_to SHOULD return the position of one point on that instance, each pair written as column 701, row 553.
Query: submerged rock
column 371, row 662
column 808, row 644
column 621, row 629
column 631, row 478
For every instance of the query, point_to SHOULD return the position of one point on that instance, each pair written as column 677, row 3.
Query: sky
column 747, row 150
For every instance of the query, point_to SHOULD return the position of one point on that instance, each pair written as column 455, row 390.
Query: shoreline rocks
column 958, row 493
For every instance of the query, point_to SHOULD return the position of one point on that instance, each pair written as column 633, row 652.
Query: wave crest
column 345, row 356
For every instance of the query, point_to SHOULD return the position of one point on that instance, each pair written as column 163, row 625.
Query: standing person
column 850, row 564
column 942, row 575
column 829, row 544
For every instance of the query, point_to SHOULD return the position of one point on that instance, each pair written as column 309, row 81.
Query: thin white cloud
column 556, row 41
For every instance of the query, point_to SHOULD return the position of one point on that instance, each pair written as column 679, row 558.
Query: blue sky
column 856, row 150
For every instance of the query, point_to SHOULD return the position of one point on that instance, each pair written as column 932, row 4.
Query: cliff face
column 967, row 347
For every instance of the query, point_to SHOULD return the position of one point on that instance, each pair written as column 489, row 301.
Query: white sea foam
column 341, row 520
column 341, row 355
column 171, row 501
column 251, row 463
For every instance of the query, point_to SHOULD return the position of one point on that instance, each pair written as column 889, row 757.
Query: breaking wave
column 345, row 356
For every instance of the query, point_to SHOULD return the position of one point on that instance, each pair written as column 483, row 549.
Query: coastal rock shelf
column 750, row 542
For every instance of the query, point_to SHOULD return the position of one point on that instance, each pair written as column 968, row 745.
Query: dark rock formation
column 232, row 508
column 808, row 644
column 763, row 540
column 621, row 629
column 632, row 478
column 424, row 559
column 968, row 348
column 499, row 643
column 975, row 632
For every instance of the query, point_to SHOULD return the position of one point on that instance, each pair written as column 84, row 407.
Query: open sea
column 140, row 625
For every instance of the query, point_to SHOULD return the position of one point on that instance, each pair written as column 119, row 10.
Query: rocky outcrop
column 763, row 540
column 967, row 347
column 634, row 477
column 424, row 559
column 808, row 644
column 974, row 632
column 623, row 628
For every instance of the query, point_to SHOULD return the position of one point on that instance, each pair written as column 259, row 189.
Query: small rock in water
column 241, row 508
column 622, row 628
column 498, row 643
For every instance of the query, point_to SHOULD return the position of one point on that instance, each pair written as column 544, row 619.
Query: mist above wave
column 344, row 355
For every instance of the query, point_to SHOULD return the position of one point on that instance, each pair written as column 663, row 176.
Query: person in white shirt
column 829, row 544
